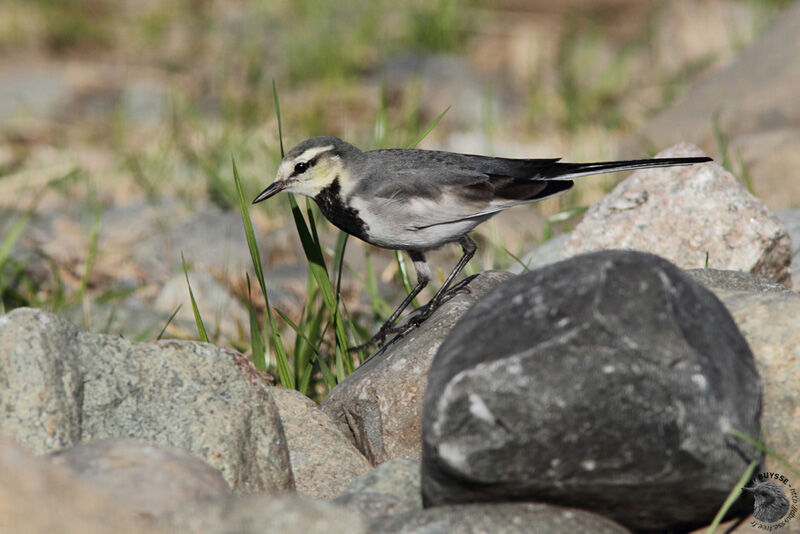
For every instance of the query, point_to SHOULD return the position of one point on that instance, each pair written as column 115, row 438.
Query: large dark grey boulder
column 609, row 381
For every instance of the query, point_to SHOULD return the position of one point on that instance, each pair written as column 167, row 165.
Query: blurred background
column 119, row 118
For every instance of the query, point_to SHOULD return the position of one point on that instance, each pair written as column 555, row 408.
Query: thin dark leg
column 423, row 277
column 469, row 247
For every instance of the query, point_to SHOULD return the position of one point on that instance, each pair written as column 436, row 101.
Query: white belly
column 406, row 228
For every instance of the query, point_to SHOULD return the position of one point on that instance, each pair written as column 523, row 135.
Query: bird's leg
column 469, row 247
column 423, row 277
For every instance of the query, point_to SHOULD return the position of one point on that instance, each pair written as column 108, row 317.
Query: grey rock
column 501, row 518
column 770, row 322
column 791, row 220
column 719, row 281
column 60, row 387
column 274, row 513
column 688, row 214
column 391, row 488
column 153, row 481
column 615, row 391
column 38, row 497
column 379, row 406
column 323, row 460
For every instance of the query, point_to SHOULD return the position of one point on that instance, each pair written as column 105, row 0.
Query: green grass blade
column 429, row 129
column 318, row 269
column 305, row 351
column 166, row 325
column 13, row 235
column 732, row 496
column 312, row 225
column 313, row 251
column 256, row 339
column 91, row 255
column 330, row 381
column 249, row 233
column 766, row 450
column 338, row 259
column 107, row 327
column 278, row 115
column 201, row 328
column 525, row 266
column 284, row 374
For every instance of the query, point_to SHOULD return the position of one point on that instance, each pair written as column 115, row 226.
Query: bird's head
column 312, row 166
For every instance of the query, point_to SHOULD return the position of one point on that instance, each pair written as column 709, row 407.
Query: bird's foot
column 417, row 318
column 378, row 339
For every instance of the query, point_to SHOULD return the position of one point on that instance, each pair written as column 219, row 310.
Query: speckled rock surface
column 323, row 460
column 60, row 386
column 686, row 214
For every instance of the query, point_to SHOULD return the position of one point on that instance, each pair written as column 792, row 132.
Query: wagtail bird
column 418, row 200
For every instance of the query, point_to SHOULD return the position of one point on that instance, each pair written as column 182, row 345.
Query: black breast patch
column 336, row 211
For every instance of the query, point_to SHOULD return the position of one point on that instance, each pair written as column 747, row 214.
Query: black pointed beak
column 273, row 189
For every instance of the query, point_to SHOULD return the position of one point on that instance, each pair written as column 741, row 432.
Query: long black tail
column 558, row 170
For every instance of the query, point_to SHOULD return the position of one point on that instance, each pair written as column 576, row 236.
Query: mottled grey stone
column 270, row 513
column 695, row 216
column 615, row 390
column 323, row 460
column 37, row 497
column 391, row 488
column 153, row 481
column 719, row 281
column 770, row 321
column 60, row 387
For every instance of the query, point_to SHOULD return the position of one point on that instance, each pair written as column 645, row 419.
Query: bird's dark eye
column 301, row 167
